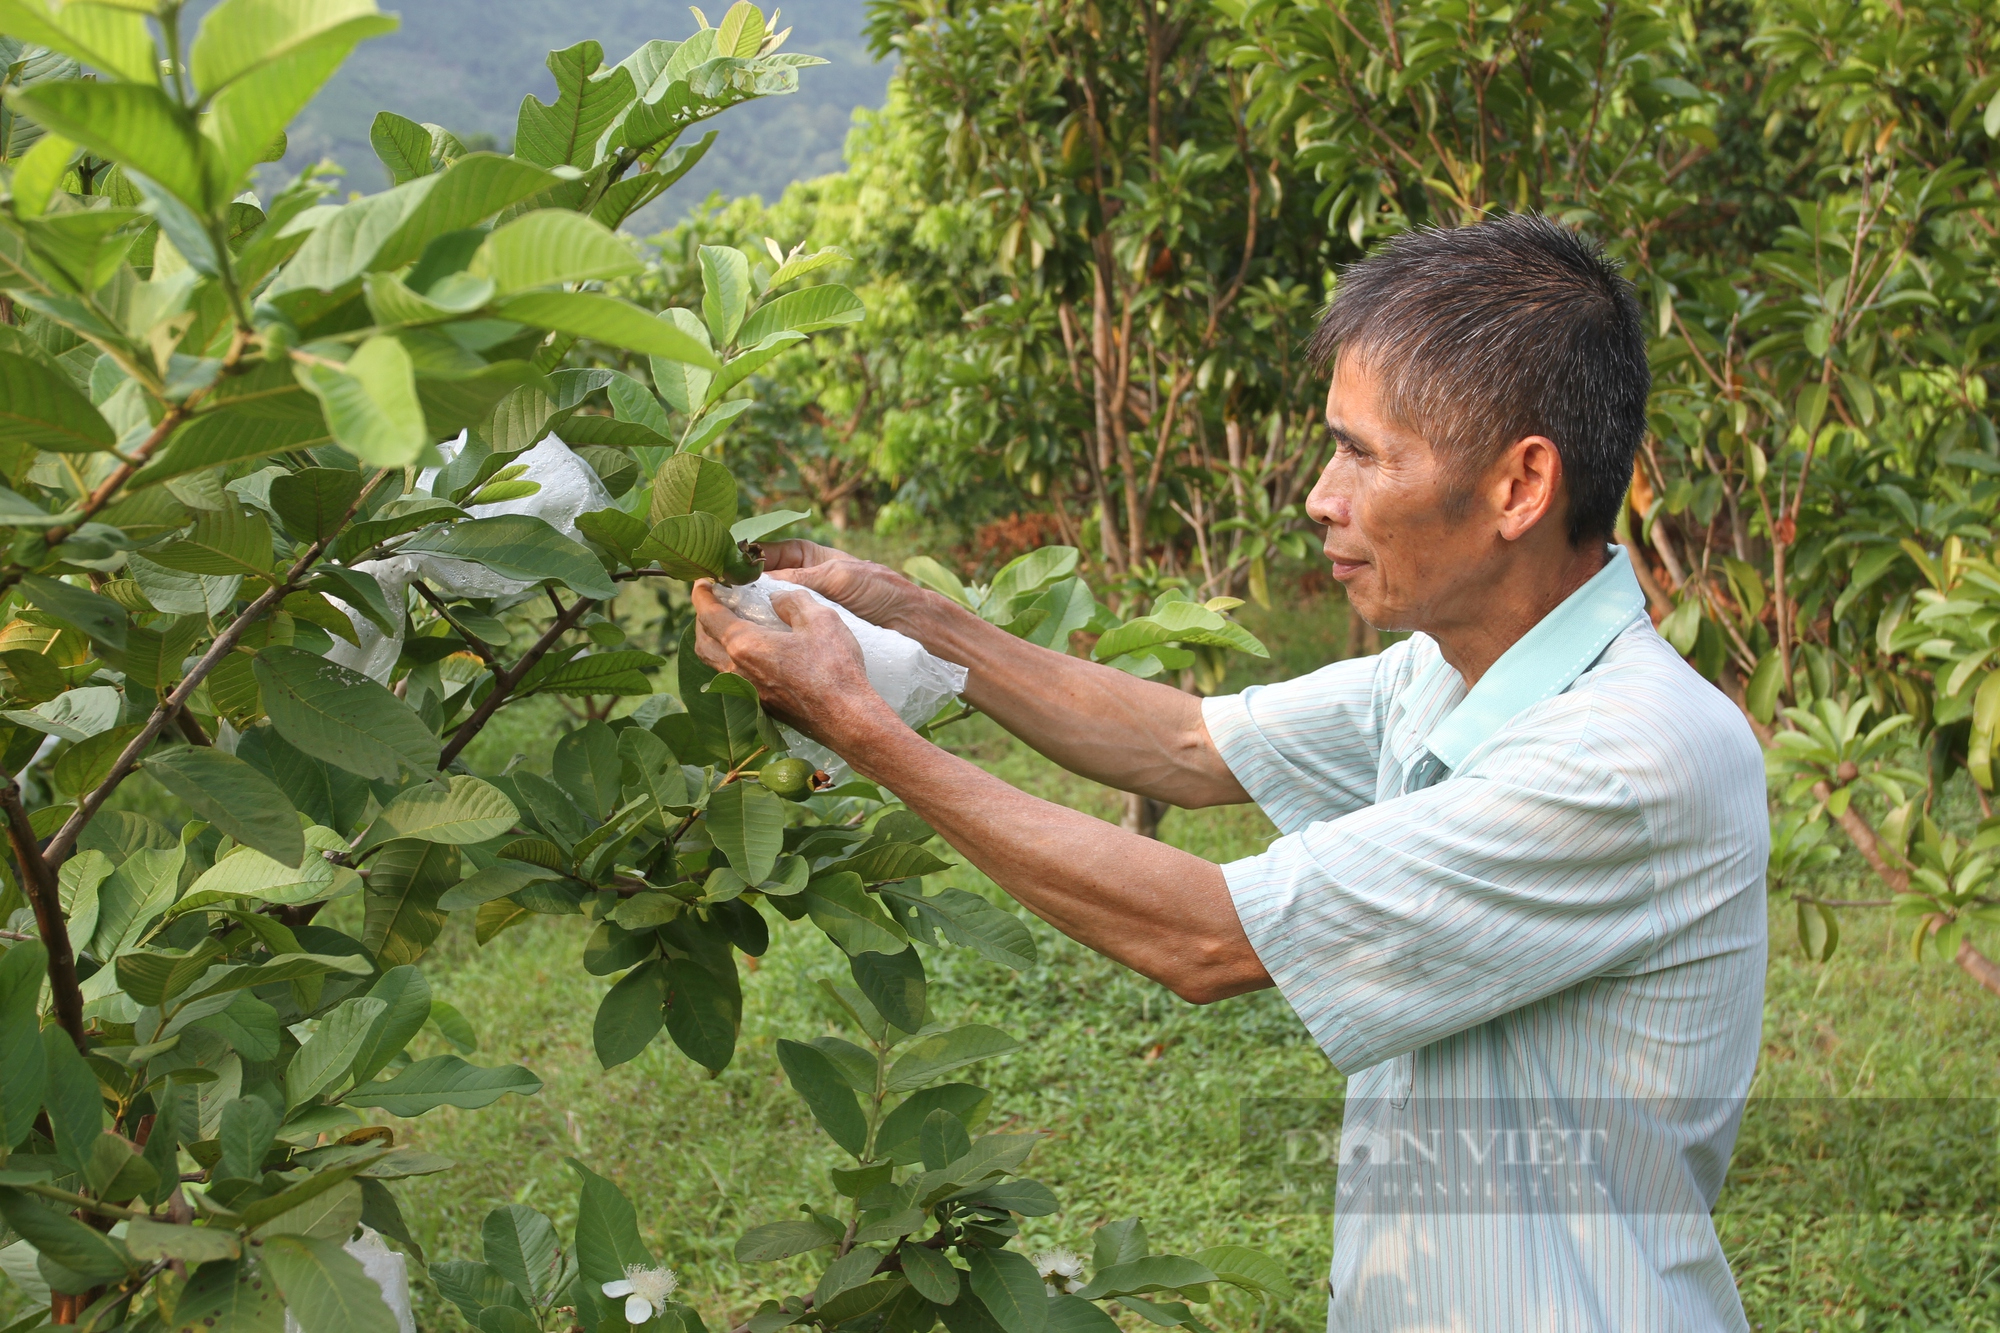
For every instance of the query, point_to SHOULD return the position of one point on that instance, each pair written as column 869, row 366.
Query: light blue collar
column 1545, row 661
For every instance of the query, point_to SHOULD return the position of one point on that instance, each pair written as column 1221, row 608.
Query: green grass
column 1137, row 1093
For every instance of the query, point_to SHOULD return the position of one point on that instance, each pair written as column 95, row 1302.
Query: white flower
column 645, row 1291
column 1061, row 1270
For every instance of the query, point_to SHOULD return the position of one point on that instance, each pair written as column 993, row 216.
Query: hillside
column 466, row 64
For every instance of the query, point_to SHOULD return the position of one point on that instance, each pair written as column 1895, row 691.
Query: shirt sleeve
column 1431, row 913
column 1309, row 749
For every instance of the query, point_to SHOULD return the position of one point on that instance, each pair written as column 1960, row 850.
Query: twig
column 38, row 879
column 505, row 681
column 225, row 643
column 472, row 641
column 107, row 490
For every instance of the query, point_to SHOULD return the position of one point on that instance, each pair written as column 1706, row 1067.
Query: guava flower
column 645, row 1291
column 1061, row 1270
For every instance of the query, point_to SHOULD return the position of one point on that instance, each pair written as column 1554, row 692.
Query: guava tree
column 239, row 564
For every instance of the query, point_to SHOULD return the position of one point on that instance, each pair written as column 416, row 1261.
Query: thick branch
column 505, row 681
column 225, row 643
column 38, row 881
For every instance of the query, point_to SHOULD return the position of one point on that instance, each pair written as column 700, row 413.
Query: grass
column 1137, row 1093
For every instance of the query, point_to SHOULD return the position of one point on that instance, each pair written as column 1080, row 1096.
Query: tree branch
column 38, row 881
column 505, row 681
column 225, row 643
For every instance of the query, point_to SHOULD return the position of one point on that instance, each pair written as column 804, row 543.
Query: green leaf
column 312, row 501
column 826, row 1093
column 689, row 546
column 74, row 1104
column 234, row 797
column 327, row 1055
column 99, row 617
column 900, row 1131
column 403, row 918
column 1177, row 622
column 148, row 1240
column 895, row 860
column 341, row 716
column 325, row 1287
column 850, row 916
column 967, row 920
column 945, row 1052
column 782, row 1240
column 520, row 546
column 607, row 320
column 621, row 673
column 1157, row 1272
column 136, row 125
column 613, row 529
column 23, row 1067
column 83, row 1250
column 607, row 1230
column 551, row 246
column 239, row 37
column 567, row 131
column 691, row 484
column 226, row 541
column 932, row 1273
column 1010, row 1288
column 444, row 1080
column 761, row 526
column 1067, row 1314
column 747, row 822
column 467, row 811
column 390, row 229
column 112, row 39
column 894, row 983
column 41, row 409
column 520, row 1244
column 403, row 145
column 682, row 385
column 704, row 1012
column 725, row 283
column 803, row 311
column 248, row 873
column 631, row 1013
column 406, row 1007
column 371, row 403
column 230, row 1297
column 1252, row 1270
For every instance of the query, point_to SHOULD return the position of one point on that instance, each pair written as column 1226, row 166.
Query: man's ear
column 1527, row 485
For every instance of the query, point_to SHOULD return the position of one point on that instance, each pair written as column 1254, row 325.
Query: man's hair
column 1484, row 335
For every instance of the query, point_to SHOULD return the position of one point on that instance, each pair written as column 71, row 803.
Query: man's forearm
column 1152, row 907
column 1102, row 724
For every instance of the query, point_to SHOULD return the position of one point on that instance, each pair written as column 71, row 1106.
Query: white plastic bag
column 569, row 488
column 910, row 679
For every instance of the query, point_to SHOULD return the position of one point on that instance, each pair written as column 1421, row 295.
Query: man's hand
column 814, row 678
column 876, row 593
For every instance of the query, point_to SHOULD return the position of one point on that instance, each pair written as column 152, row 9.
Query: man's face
column 1383, row 500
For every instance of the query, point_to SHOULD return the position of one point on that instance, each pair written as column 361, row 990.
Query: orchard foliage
column 1097, row 234
column 220, row 430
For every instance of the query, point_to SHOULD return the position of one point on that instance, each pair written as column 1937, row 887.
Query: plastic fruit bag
column 911, row 680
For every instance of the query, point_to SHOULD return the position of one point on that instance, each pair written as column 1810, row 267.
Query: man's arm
column 1154, row 908
column 1099, row 723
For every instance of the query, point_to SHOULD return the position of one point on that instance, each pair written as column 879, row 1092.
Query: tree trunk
column 1143, row 815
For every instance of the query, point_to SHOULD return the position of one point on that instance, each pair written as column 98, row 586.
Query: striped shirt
column 1536, row 906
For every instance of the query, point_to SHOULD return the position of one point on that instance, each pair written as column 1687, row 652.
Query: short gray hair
column 1484, row 335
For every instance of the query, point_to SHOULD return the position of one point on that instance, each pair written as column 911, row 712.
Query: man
column 1520, row 884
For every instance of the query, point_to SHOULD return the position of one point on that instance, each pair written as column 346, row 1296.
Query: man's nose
column 1327, row 504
